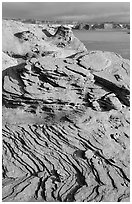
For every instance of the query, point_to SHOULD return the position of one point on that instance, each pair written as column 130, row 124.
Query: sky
column 89, row 11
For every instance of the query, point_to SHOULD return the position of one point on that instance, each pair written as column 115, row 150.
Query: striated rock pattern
column 65, row 121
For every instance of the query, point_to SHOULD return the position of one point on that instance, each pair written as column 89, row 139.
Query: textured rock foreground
column 65, row 118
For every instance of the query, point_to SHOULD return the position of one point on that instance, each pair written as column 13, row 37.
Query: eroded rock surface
column 65, row 119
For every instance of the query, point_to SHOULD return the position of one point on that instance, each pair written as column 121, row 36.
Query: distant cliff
column 105, row 26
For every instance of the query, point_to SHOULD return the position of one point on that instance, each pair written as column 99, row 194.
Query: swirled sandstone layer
column 65, row 118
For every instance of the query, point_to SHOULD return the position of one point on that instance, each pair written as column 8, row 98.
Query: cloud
column 120, row 16
column 82, row 10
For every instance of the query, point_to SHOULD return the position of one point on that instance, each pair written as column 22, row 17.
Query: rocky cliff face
column 65, row 118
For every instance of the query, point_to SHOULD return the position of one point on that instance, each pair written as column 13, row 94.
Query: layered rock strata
column 65, row 118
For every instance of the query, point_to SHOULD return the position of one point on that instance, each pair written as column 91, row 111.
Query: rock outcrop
column 30, row 40
column 65, row 118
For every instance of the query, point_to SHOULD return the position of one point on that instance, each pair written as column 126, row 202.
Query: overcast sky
column 90, row 11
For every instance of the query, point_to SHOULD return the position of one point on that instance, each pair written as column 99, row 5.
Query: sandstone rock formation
column 30, row 40
column 65, row 118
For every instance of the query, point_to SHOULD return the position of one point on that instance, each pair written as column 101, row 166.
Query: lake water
column 113, row 41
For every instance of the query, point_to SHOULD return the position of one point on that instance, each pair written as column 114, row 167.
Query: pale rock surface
column 8, row 61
